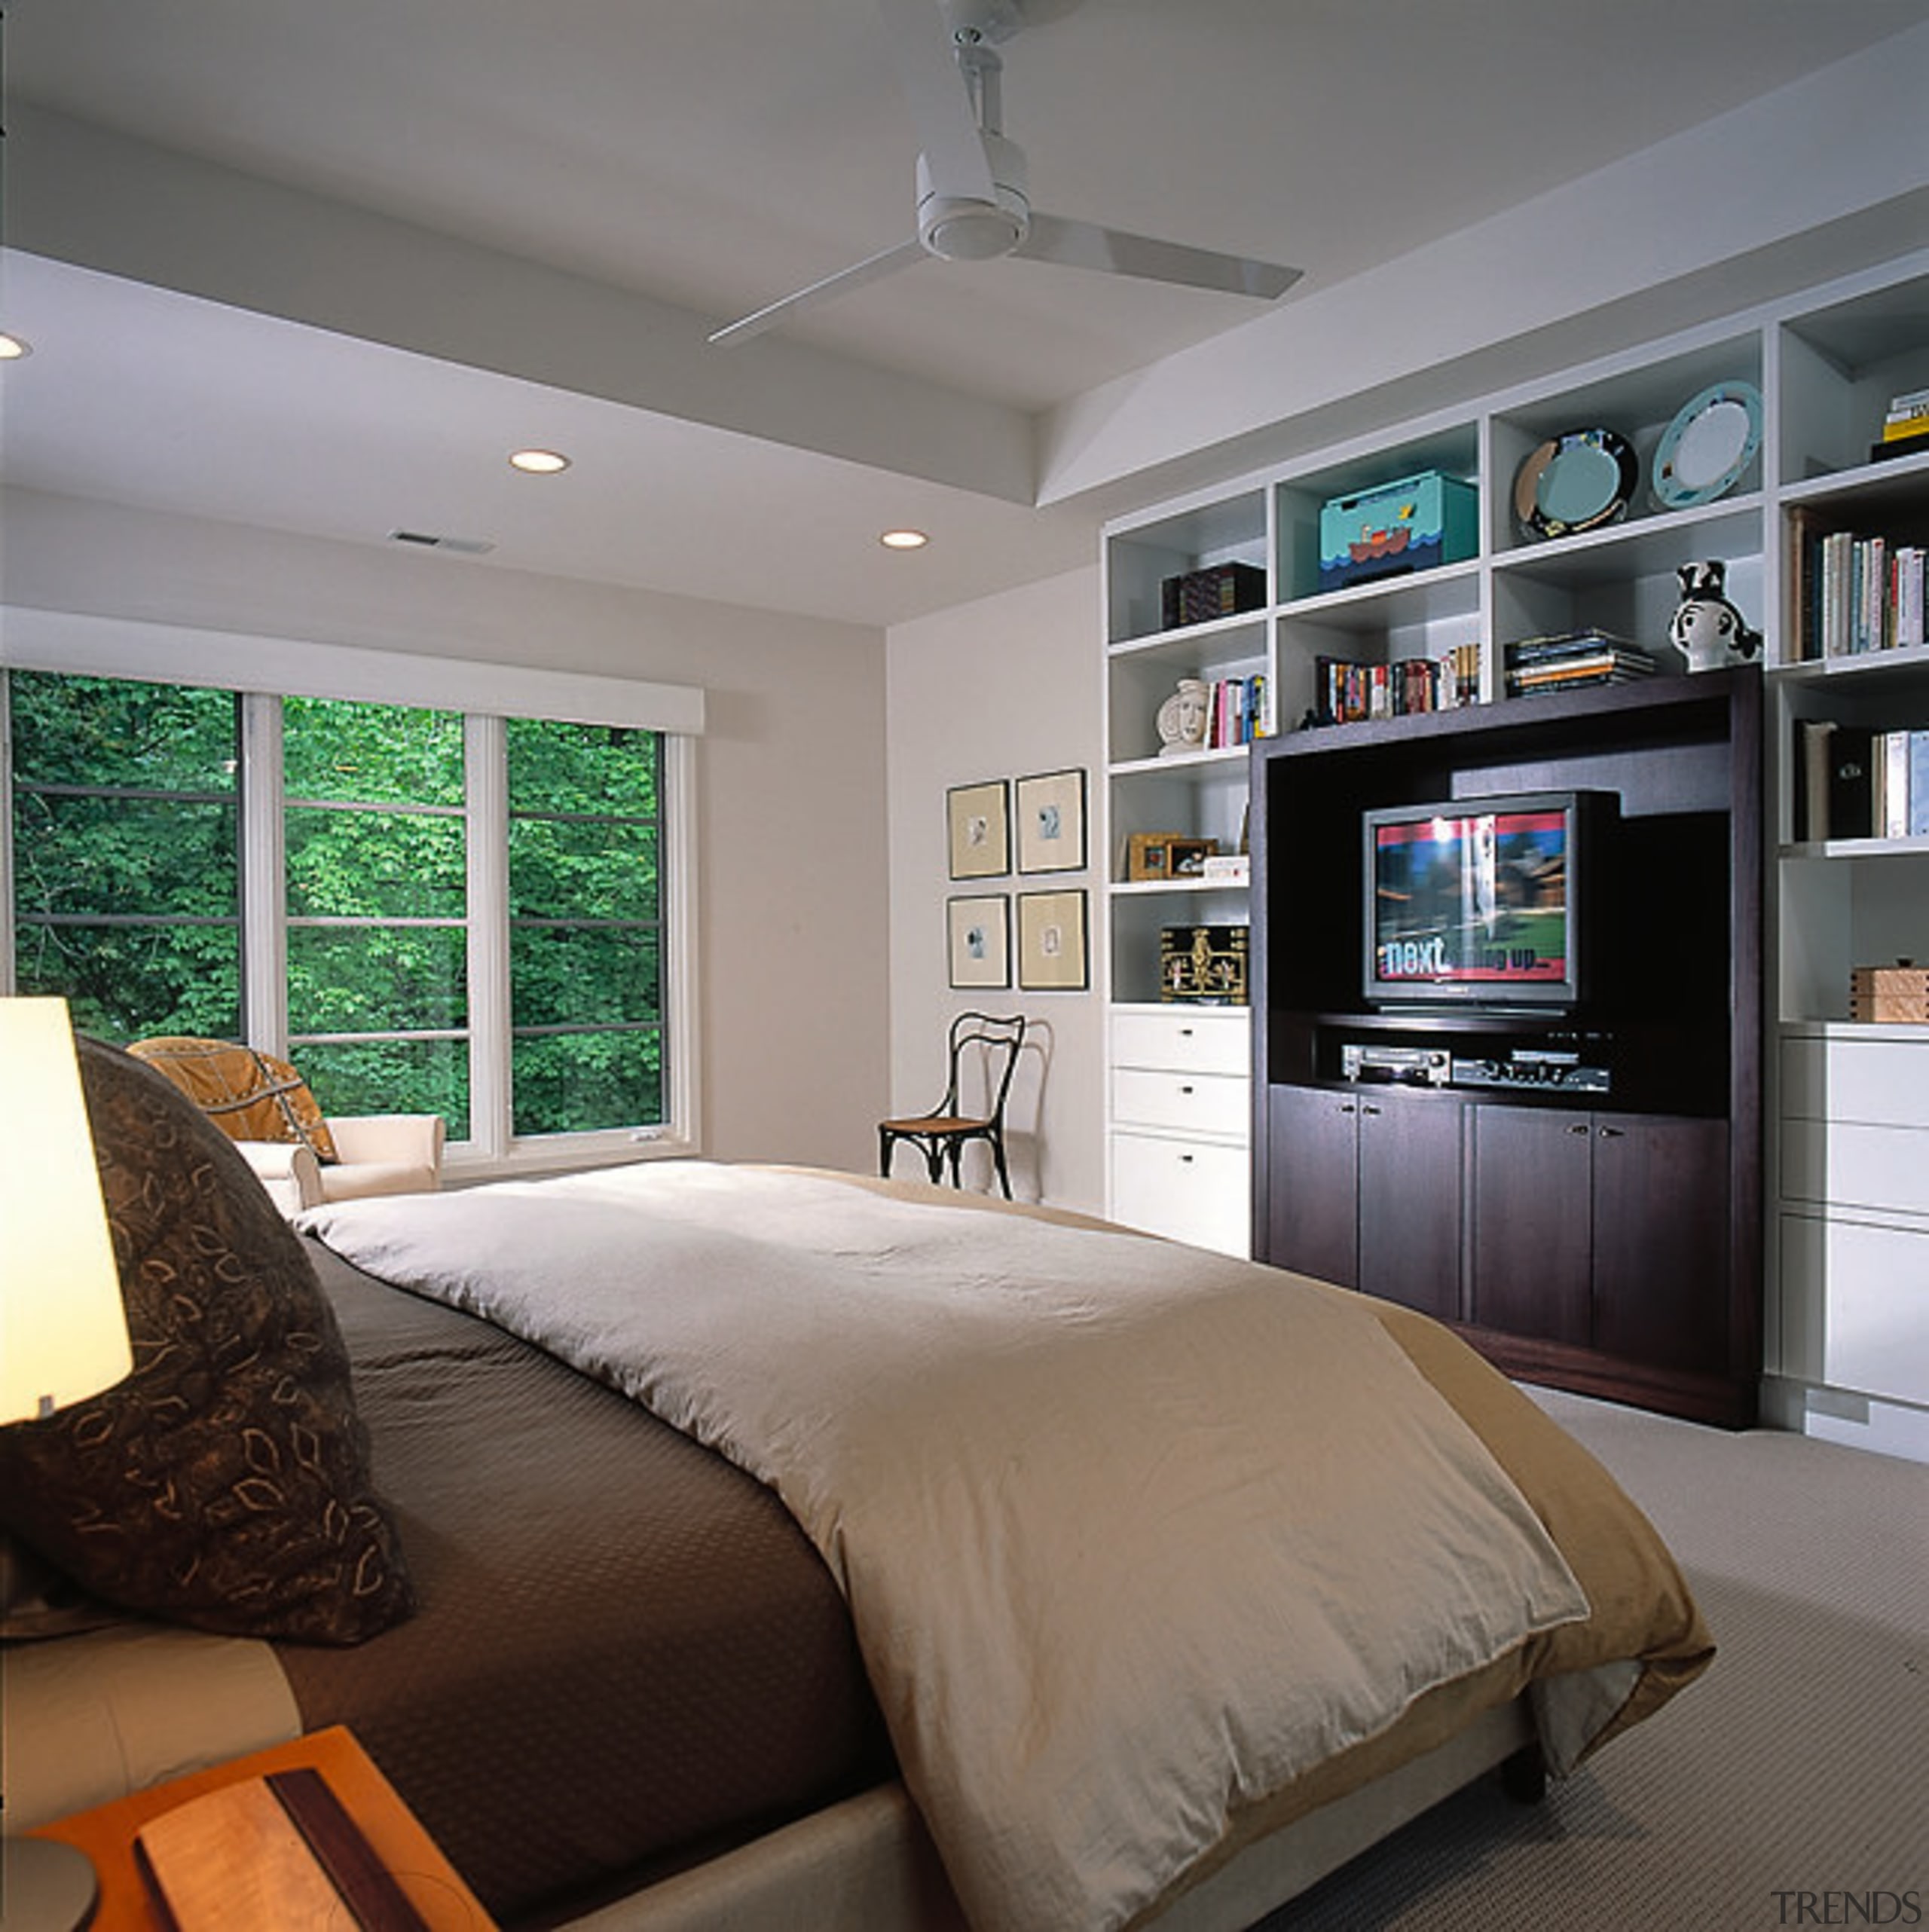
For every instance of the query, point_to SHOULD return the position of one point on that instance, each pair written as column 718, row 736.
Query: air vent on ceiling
column 469, row 546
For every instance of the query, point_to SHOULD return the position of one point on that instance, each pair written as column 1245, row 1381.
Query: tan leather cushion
column 248, row 1094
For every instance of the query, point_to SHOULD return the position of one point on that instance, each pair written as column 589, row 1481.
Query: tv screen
column 1477, row 900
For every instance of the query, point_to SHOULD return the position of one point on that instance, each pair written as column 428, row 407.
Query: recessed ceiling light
column 539, row 462
column 904, row 540
column 12, row 348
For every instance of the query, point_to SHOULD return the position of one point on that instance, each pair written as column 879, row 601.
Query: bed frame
column 867, row 1862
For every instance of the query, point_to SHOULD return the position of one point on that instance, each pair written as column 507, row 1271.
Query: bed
column 715, row 1592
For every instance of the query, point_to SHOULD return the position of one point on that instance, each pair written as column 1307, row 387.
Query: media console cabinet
column 1579, row 1192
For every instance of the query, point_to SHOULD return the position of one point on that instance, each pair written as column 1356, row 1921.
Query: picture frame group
column 1033, row 825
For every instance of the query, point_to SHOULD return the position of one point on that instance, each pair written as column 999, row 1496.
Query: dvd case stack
column 1574, row 658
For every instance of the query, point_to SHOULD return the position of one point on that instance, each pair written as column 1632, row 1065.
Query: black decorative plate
column 1575, row 482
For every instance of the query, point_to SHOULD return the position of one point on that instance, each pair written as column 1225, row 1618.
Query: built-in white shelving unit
column 1825, row 364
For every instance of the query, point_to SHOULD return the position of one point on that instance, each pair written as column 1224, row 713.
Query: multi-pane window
column 126, row 885
column 425, row 855
column 376, row 838
column 585, row 925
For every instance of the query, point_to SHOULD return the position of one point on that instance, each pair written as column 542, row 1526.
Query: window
column 585, row 926
column 375, row 827
column 126, row 885
column 447, row 913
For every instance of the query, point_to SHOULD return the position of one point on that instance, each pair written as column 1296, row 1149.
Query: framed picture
column 1166, row 855
column 979, row 818
column 981, row 941
column 1050, row 813
column 1052, row 954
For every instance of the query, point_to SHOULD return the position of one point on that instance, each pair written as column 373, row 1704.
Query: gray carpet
column 1799, row 1764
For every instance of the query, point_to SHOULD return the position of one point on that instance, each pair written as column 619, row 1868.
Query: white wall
column 792, row 925
column 1003, row 688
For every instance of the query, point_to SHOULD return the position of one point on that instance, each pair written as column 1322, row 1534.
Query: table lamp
column 63, row 1330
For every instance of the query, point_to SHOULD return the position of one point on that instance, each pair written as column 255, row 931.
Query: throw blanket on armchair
column 1132, row 1535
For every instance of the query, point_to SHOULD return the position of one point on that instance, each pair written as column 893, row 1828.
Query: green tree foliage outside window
column 126, row 885
column 376, row 838
column 585, row 926
column 126, row 832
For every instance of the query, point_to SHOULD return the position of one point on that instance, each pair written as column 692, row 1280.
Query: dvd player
column 1405, row 1066
column 1540, row 1066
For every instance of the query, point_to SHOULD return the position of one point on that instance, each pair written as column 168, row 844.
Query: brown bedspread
column 626, row 1650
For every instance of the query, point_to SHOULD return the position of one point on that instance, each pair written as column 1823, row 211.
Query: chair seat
column 935, row 1123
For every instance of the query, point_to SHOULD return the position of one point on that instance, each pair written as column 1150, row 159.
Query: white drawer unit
column 1851, row 1163
column 1201, row 1040
column 1181, row 1115
column 1876, row 1082
column 1868, row 1284
column 1198, row 1191
column 1185, row 1103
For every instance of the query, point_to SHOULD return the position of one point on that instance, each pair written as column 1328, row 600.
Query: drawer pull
column 1185, row 1161
column 1185, row 1089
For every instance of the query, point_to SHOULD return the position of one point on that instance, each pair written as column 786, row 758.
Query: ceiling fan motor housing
column 966, row 227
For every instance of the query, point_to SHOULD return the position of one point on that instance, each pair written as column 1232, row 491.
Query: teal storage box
column 1413, row 524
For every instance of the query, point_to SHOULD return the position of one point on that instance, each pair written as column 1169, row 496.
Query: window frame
column 485, row 695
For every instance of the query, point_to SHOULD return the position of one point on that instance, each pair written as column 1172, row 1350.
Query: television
column 1480, row 901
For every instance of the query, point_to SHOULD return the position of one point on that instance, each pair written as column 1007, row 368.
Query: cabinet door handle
column 1580, row 1127
column 1369, row 1108
column 1614, row 1133
column 1345, row 1106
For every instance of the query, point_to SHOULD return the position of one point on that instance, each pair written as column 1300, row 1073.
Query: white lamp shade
column 63, row 1326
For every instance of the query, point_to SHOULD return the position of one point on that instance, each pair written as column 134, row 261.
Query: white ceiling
column 711, row 155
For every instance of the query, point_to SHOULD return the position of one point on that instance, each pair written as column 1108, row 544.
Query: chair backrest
column 998, row 1042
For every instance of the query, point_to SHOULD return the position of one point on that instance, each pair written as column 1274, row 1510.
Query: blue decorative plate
column 1704, row 451
column 1575, row 482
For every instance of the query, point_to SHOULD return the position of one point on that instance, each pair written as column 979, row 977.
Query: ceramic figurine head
column 1706, row 628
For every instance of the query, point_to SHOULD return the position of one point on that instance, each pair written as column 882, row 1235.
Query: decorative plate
column 1575, row 482
column 1703, row 452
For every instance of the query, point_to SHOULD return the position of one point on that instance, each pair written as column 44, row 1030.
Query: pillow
column 225, row 1483
column 248, row 1094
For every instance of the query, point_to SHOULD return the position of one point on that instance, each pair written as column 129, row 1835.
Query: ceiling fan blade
column 941, row 109
column 885, row 262
column 1086, row 245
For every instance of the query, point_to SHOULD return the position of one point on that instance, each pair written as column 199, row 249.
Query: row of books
column 1855, row 593
column 1349, row 692
column 1239, row 709
column 1573, row 659
column 1855, row 782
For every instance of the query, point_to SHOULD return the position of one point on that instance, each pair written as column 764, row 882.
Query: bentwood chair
column 978, row 1045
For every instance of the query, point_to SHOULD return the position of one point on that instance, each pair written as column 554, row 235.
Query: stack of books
column 1571, row 659
column 1853, row 782
column 1240, row 710
column 1346, row 691
column 1906, row 427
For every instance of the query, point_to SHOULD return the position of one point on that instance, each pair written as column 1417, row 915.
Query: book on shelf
column 1853, row 782
column 1351, row 691
column 1853, row 594
column 1572, row 658
column 1238, row 711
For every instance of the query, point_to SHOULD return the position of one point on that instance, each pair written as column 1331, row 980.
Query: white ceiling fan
column 972, row 199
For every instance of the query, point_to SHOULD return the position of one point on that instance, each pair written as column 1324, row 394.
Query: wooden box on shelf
column 1887, row 994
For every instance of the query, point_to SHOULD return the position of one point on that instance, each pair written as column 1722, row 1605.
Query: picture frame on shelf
column 1053, row 955
column 978, row 822
column 1160, row 857
column 1048, row 809
column 979, row 940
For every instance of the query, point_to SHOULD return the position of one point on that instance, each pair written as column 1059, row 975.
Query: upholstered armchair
column 301, row 1155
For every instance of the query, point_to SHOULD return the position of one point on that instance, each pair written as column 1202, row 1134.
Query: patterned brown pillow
column 248, row 1094
column 225, row 1483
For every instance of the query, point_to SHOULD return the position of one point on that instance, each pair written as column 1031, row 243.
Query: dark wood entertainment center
column 1607, row 1241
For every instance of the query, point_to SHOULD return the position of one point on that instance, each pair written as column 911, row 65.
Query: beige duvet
column 1145, row 1547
